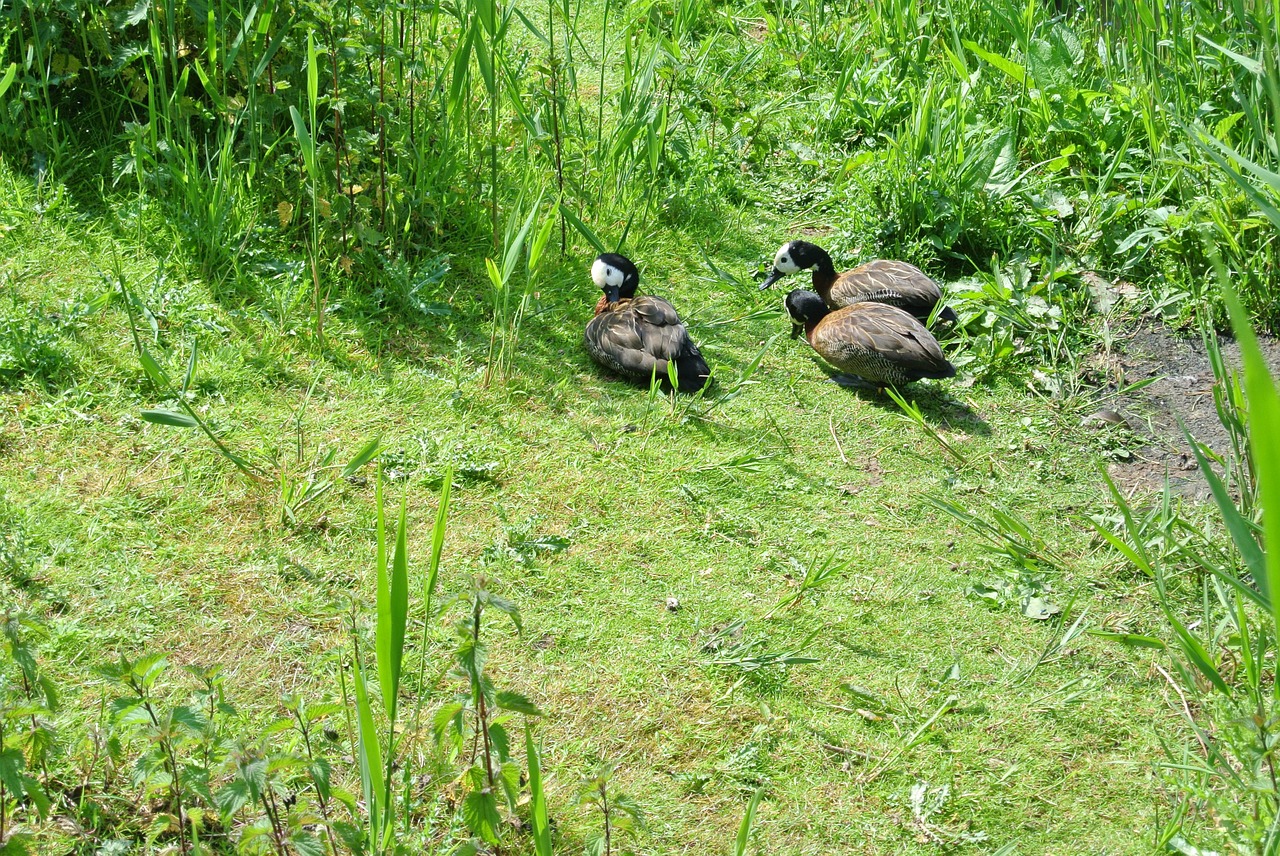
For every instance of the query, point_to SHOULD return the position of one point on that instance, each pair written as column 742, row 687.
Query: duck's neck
column 603, row 304
column 824, row 275
column 809, row 327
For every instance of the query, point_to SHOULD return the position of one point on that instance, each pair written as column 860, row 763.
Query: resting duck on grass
column 880, row 281
column 638, row 337
column 881, row 344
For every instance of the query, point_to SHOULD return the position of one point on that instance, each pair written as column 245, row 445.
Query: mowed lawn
column 591, row 504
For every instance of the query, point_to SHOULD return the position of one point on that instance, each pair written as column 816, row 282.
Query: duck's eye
column 786, row 260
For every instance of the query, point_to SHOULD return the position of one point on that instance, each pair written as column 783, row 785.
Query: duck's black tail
column 948, row 314
column 692, row 372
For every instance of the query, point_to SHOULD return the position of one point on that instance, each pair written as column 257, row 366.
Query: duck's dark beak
column 796, row 330
column 612, row 293
column 772, row 278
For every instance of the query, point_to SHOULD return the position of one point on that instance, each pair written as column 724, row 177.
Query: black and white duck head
column 806, row 309
column 796, row 256
column 616, row 276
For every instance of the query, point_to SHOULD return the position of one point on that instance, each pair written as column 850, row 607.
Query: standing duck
column 879, row 343
column 880, row 281
column 639, row 336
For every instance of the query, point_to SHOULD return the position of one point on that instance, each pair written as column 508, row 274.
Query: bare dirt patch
column 1181, row 392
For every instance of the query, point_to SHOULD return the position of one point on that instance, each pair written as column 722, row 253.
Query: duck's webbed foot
column 854, row 382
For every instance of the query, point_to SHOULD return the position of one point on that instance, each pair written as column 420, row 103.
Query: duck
column 638, row 337
column 880, row 281
column 881, row 344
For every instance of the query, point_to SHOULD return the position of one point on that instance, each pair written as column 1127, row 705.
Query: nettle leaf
column 471, row 656
column 503, row 605
column 12, row 764
column 36, row 794
column 306, row 844
column 319, row 770
column 317, row 712
column 517, row 703
column 129, row 712
column 480, row 813
column 232, row 798
column 192, row 720
column 509, row 777
column 49, row 691
column 501, row 742
column 17, row 844
column 449, row 714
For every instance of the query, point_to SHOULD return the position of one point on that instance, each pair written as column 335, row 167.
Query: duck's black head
column 794, row 256
column 616, row 276
column 806, row 309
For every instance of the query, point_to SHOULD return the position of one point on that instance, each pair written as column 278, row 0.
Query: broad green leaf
column 191, row 367
column 1199, row 657
column 495, row 275
column 153, row 369
column 515, row 248
column 7, row 80
column 516, row 703
column 305, row 142
column 313, row 74
column 437, row 541
column 480, row 813
column 1249, row 64
column 169, row 417
column 1009, row 67
column 1241, row 532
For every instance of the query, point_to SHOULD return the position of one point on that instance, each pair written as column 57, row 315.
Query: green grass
column 316, row 225
column 133, row 537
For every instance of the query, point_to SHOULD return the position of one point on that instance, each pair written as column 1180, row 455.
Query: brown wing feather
column 879, row 342
column 887, row 281
column 640, row 337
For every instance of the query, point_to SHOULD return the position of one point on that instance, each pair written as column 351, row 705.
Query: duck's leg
column 854, row 382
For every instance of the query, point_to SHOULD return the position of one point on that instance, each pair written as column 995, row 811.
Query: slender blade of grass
column 370, row 755
column 364, row 456
column 1264, row 432
column 744, row 829
column 538, row 809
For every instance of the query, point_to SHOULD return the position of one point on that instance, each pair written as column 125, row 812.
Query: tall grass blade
column 538, row 809
column 1264, row 433
column 1240, row 529
column 744, row 829
column 364, row 456
column 370, row 757
column 583, row 229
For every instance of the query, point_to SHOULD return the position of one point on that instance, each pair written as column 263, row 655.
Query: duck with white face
column 640, row 338
column 614, row 273
column 880, row 281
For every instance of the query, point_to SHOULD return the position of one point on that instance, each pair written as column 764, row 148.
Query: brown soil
column 1182, row 391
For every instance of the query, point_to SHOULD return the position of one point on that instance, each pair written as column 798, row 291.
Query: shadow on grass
column 935, row 404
